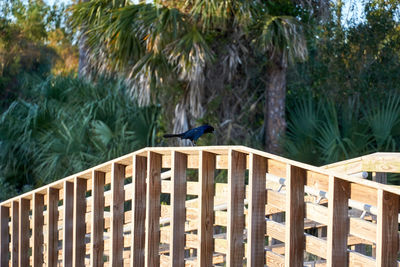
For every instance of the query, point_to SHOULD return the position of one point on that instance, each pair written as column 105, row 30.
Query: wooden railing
column 177, row 206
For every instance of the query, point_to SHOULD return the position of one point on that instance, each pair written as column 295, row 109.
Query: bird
column 193, row 134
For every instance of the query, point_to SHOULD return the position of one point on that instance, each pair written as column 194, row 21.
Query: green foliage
column 359, row 60
column 321, row 131
column 33, row 42
column 67, row 126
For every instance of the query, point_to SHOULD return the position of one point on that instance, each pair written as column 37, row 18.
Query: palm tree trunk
column 274, row 112
column 83, row 52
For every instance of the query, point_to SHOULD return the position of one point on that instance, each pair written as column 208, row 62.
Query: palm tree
column 199, row 50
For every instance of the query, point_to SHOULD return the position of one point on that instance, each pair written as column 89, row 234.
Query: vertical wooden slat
column 97, row 224
column 68, row 215
column 153, row 209
column 23, row 232
column 338, row 221
column 207, row 165
column 37, row 231
column 4, row 235
column 178, row 215
column 236, row 194
column 117, row 214
column 14, row 233
column 294, row 223
column 52, row 229
column 256, row 233
column 79, row 226
column 139, row 172
column 387, row 229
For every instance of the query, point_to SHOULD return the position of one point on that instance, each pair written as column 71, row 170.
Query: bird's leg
column 193, row 143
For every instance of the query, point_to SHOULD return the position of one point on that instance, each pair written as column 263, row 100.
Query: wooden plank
column 363, row 193
column 14, row 233
column 139, row 173
column 68, row 216
column 387, row 241
column 359, row 260
column 117, row 213
column 381, row 162
column 236, row 194
column 152, row 257
column 178, row 216
column 207, row 165
column 274, row 259
column 24, row 234
column 97, row 223
column 295, row 210
column 338, row 200
column 79, row 223
column 256, row 208
column 52, row 229
column 37, row 229
column 4, row 235
column 346, row 166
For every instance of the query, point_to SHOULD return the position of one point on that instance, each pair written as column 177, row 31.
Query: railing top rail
column 388, row 162
column 224, row 150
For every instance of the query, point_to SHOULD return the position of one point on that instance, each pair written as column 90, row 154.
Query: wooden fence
column 203, row 206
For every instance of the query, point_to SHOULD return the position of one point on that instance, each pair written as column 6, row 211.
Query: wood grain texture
column 153, row 212
column 256, row 208
column 117, row 214
column 236, row 194
column 338, row 222
column 4, row 235
column 52, row 227
column 274, row 259
column 387, row 240
column 295, row 210
column 97, row 223
column 37, row 229
column 139, row 172
column 79, row 224
column 14, row 233
column 207, row 165
column 68, row 222
column 178, row 215
column 23, row 228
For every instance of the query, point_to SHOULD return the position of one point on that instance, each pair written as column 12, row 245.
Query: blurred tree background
column 311, row 80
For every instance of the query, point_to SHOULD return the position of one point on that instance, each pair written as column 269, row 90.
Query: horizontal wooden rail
column 166, row 206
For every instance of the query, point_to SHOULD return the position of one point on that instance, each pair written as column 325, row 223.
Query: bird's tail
column 172, row 135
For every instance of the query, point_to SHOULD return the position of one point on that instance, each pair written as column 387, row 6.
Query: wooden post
column 68, row 221
column 207, row 164
column 236, row 195
column 23, row 232
column 256, row 208
column 139, row 172
column 338, row 221
column 153, row 209
column 387, row 229
column 79, row 246
column 52, row 227
column 14, row 233
column 178, row 215
column 379, row 177
column 37, row 231
column 294, row 225
column 117, row 214
column 97, row 224
column 4, row 235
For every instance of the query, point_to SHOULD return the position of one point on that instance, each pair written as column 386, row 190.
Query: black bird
column 193, row 134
